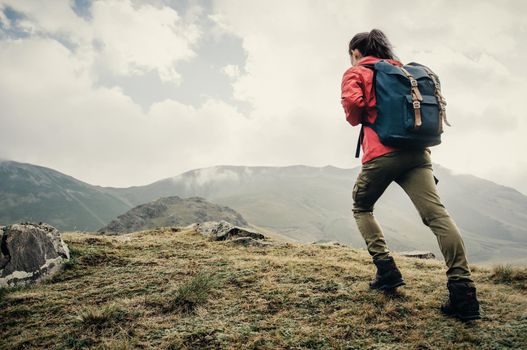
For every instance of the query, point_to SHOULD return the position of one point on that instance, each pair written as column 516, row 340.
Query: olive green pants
column 412, row 170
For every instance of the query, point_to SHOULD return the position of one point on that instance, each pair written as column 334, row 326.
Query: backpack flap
column 429, row 115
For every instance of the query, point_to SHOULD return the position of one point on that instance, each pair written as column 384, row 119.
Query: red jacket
column 358, row 100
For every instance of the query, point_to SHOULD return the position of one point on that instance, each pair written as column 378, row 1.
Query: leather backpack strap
column 416, row 98
column 440, row 99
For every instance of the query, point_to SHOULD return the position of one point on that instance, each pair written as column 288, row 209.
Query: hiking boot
column 462, row 301
column 388, row 275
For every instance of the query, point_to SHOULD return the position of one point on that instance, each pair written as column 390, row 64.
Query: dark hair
column 374, row 43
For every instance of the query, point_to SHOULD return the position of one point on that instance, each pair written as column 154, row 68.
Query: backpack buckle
column 413, row 82
column 416, row 104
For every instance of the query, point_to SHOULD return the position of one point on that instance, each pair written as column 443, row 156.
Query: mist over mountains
column 301, row 202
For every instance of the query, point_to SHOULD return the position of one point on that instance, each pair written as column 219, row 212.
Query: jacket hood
column 373, row 59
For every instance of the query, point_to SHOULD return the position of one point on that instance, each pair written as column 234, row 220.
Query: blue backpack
column 410, row 106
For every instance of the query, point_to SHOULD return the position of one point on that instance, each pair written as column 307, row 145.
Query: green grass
column 160, row 289
column 100, row 318
column 193, row 293
column 508, row 274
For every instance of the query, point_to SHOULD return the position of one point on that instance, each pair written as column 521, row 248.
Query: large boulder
column 171, row 211
column 223, row 230
column 250, row 242
column 327, row 243
column 419, row 254
column 30, row 252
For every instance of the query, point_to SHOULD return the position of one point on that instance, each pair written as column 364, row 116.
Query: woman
column 412, row 170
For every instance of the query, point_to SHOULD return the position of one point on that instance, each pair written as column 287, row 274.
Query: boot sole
column 390, row 286
column 461, row 317
column 470, row 318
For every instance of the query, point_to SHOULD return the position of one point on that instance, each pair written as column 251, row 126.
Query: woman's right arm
column 352, row 96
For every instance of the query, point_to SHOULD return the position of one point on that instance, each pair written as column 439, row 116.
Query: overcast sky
column 123, row 92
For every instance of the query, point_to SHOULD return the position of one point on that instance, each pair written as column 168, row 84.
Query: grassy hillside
column 162, row 289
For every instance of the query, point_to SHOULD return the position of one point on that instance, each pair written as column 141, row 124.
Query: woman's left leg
column 420, row 186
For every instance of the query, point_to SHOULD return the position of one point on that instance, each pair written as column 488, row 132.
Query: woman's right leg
column 375, row 176
column 371, row 183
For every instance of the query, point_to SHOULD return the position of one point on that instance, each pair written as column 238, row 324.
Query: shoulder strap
column 359, row 141
column 361, row 138
column 361, row 133
column 368, row 65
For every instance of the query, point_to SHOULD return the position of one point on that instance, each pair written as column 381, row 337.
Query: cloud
column 136, row 40
column 124, row 38
column 100, row 134
column 232, row 71
column 213, row 174
column 68, row 101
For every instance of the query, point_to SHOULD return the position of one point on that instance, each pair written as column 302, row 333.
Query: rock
column 222, row 230
column 249, row 241
column 170, row 212
column 418, row 254
column 30, row 252
column 327, row 243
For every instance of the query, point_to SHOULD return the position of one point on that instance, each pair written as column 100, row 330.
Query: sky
column 127, row 92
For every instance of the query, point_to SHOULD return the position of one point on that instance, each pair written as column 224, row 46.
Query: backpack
column 410, row 106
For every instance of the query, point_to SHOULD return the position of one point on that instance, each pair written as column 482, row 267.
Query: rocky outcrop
column 30, row 252
column 171, row 211
column 418, row 254
column 223, row 230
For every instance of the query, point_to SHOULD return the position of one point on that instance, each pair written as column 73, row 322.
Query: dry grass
column 176, row 290
column 514, row 276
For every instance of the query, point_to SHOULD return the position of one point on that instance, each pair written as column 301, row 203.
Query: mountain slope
column 166, row 290
column 300, row 202
column 310, row 203
column 34, row 193
column 171, row 211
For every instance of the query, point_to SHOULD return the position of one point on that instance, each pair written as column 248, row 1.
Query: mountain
column 300, row 202
column 313, row 203
column 178, row 290
column 171, row 211
column 35, row 193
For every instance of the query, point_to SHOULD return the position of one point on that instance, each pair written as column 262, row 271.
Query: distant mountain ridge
column 313, row 203
column 171, row 211
column 35, row 193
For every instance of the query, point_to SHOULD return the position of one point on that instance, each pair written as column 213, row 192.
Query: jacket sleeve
column 352, row 96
